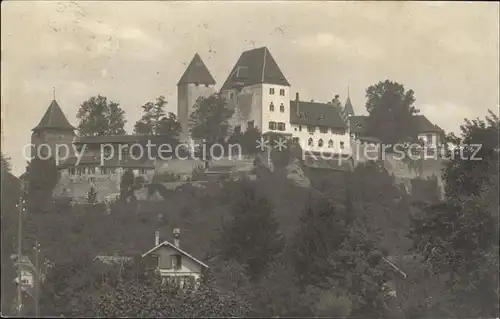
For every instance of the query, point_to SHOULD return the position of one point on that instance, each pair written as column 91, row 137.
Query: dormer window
column 323, row 129
column 311, row 129
column 282, row 92
column 282, row 108
column 271, row 91
column 271, row 107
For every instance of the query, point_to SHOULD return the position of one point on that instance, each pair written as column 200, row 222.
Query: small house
column 172, row 262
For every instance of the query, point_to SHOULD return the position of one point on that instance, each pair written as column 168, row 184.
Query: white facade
column 276, row 109
column 430, row 139
column 322, row 140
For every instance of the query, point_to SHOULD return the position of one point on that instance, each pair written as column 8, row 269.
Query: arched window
column 310, row 142
column 330, row 143
column 282, row 108
column 320, row 143
column 271, row 107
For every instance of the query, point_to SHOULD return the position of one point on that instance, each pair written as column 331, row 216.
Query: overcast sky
column 132, row 52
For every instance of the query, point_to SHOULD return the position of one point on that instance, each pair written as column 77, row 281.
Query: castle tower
column 196, row 82
column 53, row 135
column 259, row 93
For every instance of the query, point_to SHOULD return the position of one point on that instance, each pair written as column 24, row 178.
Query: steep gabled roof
column 196, row 72
column 54, row 118
column 254, row 67
column 317, row 114
column 168, row 244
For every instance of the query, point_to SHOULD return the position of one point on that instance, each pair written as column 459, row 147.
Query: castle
column 260, row 96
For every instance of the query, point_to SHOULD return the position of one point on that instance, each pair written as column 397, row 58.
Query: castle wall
column 50, row 139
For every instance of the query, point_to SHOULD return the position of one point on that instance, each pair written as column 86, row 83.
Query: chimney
column 157, row 238
column 297, row 103
column 177, row 234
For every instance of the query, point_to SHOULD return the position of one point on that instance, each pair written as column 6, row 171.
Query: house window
column 310, row 142
column 271, row 91
column 300, row 128
column 80, row 171
column 176, row 261
column 281, row 126
column 231, row 95
column 320, row 143
column 296, row 140
column 429, row 138
column 282, row 108
column 323, row 129
column 282, row 92
column 342, row 145
column 271, row 107
column 311, row 129
column 272, row 126
column 330, row 143
column 197, row 84
column 250, row 125
column 206, row 85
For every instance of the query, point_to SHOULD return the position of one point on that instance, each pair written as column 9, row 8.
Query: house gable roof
column 168, row 244
column 54, row 118
column 422, row 124
column 197, row 72
column 318, row 114
column 255, row 66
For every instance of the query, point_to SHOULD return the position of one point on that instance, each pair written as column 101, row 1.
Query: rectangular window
column 342, row 145
column 323, row 129
column 272, row 126
column 300, row 128
column 296, row 140
column 231, row 95
column 166, row 262
column 176, row 261
column 311, row 129
column 250, row 125
column 282, row 92
column 271, row 91
column 281, row 126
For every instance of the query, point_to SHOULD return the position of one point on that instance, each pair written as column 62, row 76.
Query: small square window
column 271, row 91
column 282, row 92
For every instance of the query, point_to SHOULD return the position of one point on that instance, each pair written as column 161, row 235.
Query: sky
column 133, row 52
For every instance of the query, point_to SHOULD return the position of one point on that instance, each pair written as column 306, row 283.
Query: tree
column 390, row 109
column 457, row 238
column 210, row 119
column 155, row 122
column 92, row 196
column 98, row 117
column 464, row 174
column 132, row 299
column 251, row 237
column 5, row 162
column 127, row 185
column 43, row 176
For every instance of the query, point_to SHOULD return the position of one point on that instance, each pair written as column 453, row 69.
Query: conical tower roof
column 54, row 118
column 348, row 109
column 196, row 72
